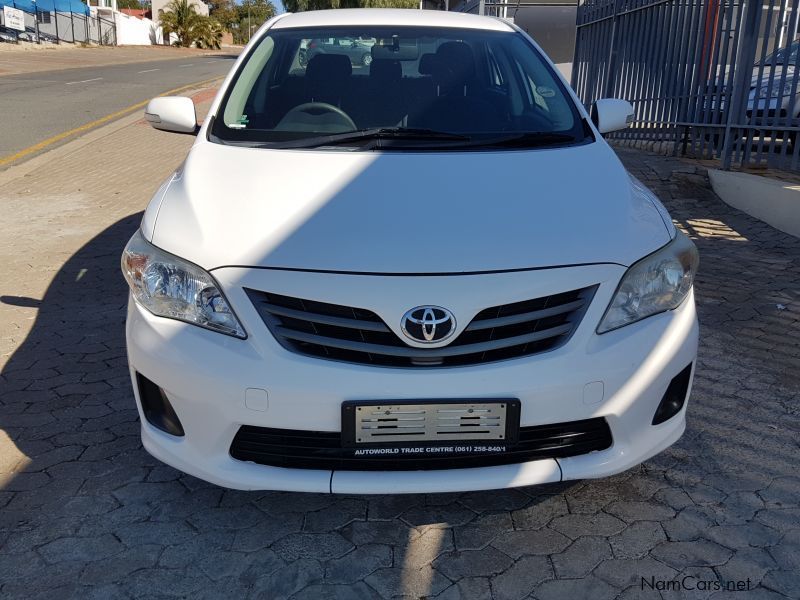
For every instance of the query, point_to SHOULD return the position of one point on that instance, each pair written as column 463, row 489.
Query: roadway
column 37, row 107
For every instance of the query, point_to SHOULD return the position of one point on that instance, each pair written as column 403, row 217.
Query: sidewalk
column 85, row 512
column 15, row 59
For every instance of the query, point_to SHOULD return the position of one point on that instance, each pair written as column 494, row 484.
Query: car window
column 783, row 56
column 304, row 83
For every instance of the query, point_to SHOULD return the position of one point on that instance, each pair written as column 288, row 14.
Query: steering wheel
column 317, row 114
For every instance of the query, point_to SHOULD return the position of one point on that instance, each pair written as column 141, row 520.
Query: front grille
column 323, row 450
column 358, row 335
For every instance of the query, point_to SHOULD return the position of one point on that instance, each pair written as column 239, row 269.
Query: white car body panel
column 269, row 208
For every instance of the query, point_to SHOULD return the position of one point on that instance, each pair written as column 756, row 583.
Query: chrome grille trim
column 477, row 324
column 410, row 352
column 326, row 319
column 357, row 335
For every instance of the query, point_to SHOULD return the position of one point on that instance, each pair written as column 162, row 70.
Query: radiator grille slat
column 358, row 335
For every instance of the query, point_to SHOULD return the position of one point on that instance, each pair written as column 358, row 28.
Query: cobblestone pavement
column 86, row 513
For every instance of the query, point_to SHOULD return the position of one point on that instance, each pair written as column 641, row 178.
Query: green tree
column 190, row 27
column 129, row 4
column 208, row 33
column 252, row 15
column 226, row 12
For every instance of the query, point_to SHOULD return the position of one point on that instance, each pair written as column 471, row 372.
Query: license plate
column 431, row 421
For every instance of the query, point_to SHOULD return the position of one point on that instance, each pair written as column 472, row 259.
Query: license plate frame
column 507, row 433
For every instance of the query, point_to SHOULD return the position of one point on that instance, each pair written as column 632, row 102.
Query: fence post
column 742, row 71
column 608, row 89
column 574, row 75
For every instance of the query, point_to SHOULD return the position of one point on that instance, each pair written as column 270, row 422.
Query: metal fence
column 707, row 78
column 54, row 27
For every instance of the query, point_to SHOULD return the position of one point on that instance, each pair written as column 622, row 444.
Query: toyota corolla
column 425, row 274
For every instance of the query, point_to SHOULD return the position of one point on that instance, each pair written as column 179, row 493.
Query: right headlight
column 657, row 283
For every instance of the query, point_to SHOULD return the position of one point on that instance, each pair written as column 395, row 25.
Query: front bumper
column 205, row 375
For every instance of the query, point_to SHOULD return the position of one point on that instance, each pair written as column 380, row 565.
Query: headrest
column 329, row 66
column 456, row 62
column 427, row 64
column 386, row 70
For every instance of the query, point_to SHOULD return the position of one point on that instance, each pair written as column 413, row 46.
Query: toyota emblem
column 428, row 324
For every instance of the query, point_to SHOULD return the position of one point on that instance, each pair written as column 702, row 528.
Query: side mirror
column 172, row 113
column 612, row 114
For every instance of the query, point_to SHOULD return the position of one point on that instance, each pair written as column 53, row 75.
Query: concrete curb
column 775, row 202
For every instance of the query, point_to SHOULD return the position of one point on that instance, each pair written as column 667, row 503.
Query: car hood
column 404, row 212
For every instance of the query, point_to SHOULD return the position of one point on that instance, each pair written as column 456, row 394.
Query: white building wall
column 132, row 31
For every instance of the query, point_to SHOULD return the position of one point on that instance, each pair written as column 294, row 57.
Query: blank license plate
column 440, row 421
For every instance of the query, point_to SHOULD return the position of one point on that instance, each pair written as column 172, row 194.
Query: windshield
column 783, row 56
column 410, row 85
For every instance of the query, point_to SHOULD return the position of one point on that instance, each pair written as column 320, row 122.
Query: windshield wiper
column 377, row 133
column 423, row 139
column 526, row 139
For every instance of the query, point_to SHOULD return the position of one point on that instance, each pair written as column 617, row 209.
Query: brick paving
column 86, row 513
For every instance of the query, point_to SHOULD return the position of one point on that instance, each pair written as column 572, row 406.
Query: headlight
column 171, row 287
column 657, row 283
column 775, row 90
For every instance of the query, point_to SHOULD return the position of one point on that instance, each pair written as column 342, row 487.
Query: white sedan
column 428, row 275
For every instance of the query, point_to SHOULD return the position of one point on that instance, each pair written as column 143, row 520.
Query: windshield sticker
column 545, row 92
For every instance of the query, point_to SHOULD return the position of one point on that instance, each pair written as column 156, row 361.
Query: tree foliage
column 190, row 27
column 135, row 4
column 239, row 18
column 303, row 5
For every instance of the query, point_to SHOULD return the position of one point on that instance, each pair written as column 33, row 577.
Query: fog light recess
column 675, row 396
column 156, row 407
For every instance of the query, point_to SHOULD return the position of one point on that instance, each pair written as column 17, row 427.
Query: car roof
column 344, row 17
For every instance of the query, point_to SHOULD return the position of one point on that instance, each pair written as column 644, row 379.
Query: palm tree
column 182, row 19
column 208, row 33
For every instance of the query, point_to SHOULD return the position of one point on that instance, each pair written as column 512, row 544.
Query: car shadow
column 79, row 493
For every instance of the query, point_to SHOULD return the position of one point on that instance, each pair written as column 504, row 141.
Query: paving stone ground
column 85, row 512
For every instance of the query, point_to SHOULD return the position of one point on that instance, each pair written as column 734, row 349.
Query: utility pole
column 249, row 23
column 36, row 21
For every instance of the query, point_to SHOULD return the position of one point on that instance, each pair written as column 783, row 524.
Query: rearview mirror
column 172, row 113
column 612, row 114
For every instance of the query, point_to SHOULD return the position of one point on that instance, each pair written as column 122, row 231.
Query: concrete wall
column 773, row 201
column 136, row 32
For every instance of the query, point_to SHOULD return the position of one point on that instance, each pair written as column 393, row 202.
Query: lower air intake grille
column 323, row 450
column 358, row 335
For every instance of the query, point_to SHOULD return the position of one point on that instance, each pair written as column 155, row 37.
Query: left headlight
column 657, row 283
column 174, row 288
